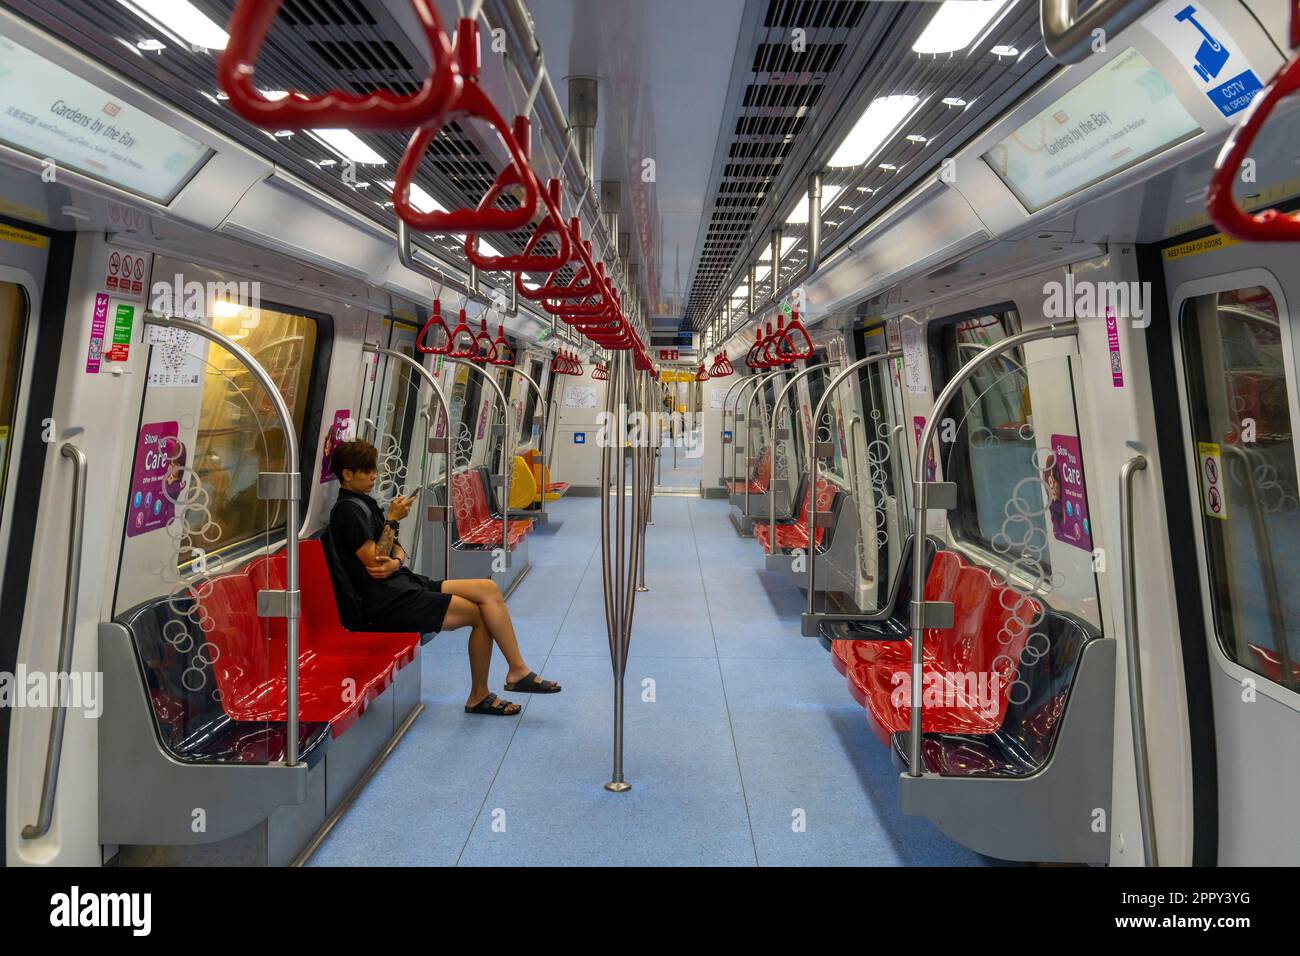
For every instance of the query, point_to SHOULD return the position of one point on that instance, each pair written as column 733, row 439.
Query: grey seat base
column 1061, row 813
column 744, row 526
column 158, row 811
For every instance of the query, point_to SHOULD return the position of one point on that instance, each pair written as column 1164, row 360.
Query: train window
column 993, row 442
column 13, row 320
column 1246, row 471
column 390, row 414
column 227, row 462
column 530, row 402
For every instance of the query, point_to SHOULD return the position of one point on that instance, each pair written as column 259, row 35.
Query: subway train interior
column 876, row 419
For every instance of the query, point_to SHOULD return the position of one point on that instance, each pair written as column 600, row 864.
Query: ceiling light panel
column 957, row 24
column 875, row 127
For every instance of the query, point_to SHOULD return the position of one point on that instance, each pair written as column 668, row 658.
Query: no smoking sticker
column 124, row 275
column 1214, row 498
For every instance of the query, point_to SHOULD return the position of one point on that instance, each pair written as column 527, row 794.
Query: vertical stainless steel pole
column 1133, row 658
column 645, row 464
column 617, row 783
column 814, row 221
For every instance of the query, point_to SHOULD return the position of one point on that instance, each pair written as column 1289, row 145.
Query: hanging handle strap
column 472, row 103
column 1268, row 225
column 377, row 110
column 435, row 322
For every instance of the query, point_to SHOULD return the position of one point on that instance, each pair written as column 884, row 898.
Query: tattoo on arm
column 384, row 547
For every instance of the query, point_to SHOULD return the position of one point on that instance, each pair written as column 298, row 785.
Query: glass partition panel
column 1025, row 597
column 195, row 552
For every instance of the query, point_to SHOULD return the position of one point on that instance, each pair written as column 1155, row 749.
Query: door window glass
column 1246, row 476
column 13, row 321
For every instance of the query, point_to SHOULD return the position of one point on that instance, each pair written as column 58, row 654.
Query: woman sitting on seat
column 394, row 598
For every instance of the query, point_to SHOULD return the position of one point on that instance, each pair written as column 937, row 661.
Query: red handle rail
column 471, row 348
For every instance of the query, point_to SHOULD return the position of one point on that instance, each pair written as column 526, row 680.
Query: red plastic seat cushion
column 474, row 522
column 968, row 669
column 339, row 672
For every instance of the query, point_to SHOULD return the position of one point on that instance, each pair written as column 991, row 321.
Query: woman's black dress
column 404, row 602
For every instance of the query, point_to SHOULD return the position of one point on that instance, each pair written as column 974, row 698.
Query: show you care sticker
column 1208, row 54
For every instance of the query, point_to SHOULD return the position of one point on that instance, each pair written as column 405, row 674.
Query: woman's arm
column 377, row 566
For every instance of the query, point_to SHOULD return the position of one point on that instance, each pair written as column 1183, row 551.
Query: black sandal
column 530, row 683
column 489, row 705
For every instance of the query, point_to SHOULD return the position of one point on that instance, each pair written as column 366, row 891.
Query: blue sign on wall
column 580, row 438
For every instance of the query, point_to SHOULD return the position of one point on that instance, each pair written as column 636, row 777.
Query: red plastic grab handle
column 435, row 321
column 485, row 349
column 470, row 349
column 1269, row 225
column 794, row 351
column 501, row 348
column 751, row 361
column 472, row 102
column 600, row 373
column 380, row 110
column 528, row 260
column 551, row 288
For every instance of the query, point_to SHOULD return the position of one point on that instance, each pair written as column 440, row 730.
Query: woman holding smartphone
column 395, row 598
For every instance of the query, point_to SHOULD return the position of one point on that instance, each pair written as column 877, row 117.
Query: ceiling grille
column 315, row 45
column 790, row 104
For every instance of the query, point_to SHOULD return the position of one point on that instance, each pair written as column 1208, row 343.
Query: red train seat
column 794, row 534
column 339, row 672
column 475, row 526
column 758, row 481
column 940, row 582
column 968, row 669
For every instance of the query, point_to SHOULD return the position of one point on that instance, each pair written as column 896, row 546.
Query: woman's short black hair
column 355, row 456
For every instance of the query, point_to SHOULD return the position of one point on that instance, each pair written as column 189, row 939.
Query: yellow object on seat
column 541, row 477
column 523, row 487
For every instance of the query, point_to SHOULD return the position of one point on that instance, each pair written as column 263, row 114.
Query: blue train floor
column 743, row 746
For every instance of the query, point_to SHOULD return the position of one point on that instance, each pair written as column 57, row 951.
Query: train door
column 28, row 347
column 1234, row 355
column 18, row 297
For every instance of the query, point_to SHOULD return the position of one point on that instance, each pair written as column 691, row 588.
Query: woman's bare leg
column 485, row 594
column 465, row 613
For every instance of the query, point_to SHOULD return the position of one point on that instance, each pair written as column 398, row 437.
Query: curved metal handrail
column 738, row 383
column 770, row 425
column 762, row 379
column 432, row 382
column 507, row 459
column 812, row 463
column 919, row 502
column 67, row 634
column 292, row 492
column 541, row 436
